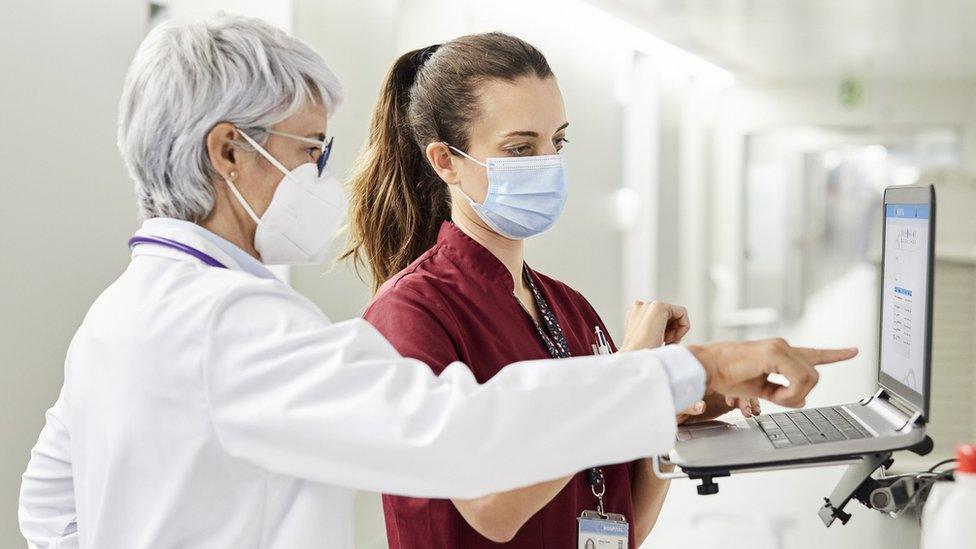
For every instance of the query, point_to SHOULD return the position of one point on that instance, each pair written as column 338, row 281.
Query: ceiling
column 817, row 39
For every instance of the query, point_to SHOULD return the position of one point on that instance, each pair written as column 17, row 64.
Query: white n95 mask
column 305, row 213
column 526, row 194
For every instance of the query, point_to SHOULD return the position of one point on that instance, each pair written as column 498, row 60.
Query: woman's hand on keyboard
column 748, row 406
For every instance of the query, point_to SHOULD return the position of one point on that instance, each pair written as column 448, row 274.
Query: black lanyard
column 549, row 330
column 555, row 341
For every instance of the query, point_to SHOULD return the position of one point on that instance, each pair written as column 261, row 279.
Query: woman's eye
column 312, row 150
column 520, row 150
column 560, row 142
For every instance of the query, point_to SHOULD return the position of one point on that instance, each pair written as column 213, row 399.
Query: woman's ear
column 440, row 158
column 220, row 148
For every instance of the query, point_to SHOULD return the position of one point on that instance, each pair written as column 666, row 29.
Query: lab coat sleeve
column 337, row 404
column 47, row 498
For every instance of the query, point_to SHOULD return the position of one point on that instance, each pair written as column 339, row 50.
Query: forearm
column 649, row 493
column 341, row 407
column 499, row 517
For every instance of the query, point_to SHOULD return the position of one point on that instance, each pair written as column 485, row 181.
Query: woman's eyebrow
column 529, row 133
column 521, row 133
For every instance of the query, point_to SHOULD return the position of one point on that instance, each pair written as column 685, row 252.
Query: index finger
column 802, row 377
column 826, row 356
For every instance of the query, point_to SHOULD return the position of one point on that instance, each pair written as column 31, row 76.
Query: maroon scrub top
column 455, row 303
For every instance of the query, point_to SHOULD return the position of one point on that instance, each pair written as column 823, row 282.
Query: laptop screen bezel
column 910, row 195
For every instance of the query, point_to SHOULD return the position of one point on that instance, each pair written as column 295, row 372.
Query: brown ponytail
column 397, row 203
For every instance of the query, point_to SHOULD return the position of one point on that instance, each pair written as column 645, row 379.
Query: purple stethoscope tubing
column 136, row 240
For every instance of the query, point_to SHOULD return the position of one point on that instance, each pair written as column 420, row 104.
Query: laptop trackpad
column 713, row 430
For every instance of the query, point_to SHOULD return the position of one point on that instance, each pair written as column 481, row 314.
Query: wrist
column 629, row 348
column 700, row 352
column 651, row 345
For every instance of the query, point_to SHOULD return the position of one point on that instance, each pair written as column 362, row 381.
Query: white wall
column 886, row 104
column 279, row 13
column 68, row 205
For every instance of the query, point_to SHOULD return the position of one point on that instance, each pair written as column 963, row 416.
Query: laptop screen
column 905, row 306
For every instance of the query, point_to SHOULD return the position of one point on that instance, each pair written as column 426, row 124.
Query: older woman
column 206, row 404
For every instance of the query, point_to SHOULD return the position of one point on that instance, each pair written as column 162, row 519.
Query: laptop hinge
column 901, row 414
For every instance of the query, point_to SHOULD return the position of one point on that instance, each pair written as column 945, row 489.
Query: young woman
column 460, row 167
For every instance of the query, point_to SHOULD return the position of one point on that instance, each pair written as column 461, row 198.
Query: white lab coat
column 206, row 407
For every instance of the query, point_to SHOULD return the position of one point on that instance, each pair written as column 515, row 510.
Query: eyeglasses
column 324, row 148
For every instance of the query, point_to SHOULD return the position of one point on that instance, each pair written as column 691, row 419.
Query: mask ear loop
column 466, row 155
column 247, row 207
column 269, row 158
column 264, row 153
column 471, row 201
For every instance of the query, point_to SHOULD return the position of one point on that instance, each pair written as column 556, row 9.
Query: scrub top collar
column 472, row 257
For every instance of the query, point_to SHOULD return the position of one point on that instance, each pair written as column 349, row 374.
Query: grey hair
column 188, row 76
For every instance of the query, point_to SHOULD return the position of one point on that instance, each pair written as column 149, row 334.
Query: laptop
column 894, row 417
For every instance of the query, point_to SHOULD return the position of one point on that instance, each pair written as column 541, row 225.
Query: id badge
column 609, row 531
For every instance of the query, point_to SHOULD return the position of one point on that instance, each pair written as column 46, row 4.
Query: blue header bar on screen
column 907, row 211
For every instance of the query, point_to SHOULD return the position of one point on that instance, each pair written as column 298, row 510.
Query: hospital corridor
column 331, row 273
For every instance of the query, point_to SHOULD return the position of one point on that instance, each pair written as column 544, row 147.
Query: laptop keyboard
column 811, row 426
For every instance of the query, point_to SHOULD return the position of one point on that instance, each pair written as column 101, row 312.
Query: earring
column 233, row 175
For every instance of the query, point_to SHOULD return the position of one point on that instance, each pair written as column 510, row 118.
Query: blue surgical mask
column 526, row 194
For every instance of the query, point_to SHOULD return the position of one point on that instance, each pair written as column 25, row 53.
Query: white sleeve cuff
column 686, row 374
